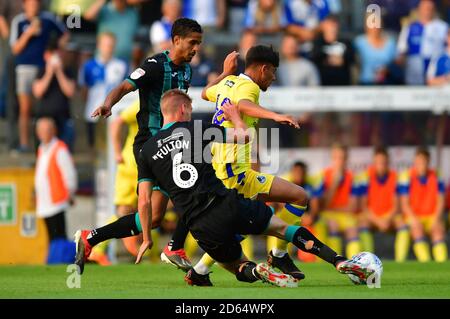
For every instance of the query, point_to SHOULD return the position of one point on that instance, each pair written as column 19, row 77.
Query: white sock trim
column 201, row 269
column 278, row 252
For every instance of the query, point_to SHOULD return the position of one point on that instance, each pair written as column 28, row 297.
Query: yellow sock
column 366, row 240
column 190, row 246
column 353, row 247
column 271, row 242
column 207, row 260
column 422, row 251
column 402, row 242
column 440, row 251
column 247, row 247
column 281, row 244
column 335, row 243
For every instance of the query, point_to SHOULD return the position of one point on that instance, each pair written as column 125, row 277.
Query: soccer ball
column 369, row 261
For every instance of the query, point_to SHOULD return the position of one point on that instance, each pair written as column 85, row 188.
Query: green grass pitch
column 408, row 280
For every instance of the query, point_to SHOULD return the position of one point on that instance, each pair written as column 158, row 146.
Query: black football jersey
column 178, row 160
column 153, row 78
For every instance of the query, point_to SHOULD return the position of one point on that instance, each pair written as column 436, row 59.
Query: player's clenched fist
column 230, row 63
column 103, row 111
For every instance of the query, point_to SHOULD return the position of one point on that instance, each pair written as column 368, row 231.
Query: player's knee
column 351, row 233
column 438, row 232
column 246, row 272
column 333, row 227
column 301, row 197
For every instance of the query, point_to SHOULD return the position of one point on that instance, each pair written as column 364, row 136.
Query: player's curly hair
column 184, row 26
column 262, row 54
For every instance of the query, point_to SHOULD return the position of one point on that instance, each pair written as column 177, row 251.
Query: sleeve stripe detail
column 132, row 82
column 145, row 180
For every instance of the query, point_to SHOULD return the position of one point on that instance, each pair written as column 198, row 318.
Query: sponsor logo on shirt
column 138, row 73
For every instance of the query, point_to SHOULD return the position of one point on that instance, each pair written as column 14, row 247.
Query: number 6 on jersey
column 179, row 168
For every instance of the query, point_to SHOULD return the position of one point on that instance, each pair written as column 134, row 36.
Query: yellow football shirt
column 232, row 159
column 128, row 115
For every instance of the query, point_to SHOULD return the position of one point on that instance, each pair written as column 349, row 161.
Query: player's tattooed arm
column 113, row 97
column 145, row 216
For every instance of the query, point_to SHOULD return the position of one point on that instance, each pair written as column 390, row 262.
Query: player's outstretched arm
column 229, row 67
column 145, row 216
column 249, row 108
column 113, row 97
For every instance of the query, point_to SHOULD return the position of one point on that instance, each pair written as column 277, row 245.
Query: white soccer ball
column 369, row 261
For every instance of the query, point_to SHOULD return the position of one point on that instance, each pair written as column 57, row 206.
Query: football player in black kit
column 178, row 160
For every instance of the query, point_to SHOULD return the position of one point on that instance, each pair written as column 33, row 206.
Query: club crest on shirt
column 261, row 179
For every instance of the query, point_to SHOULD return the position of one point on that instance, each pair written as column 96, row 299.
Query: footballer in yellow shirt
column 232, row 162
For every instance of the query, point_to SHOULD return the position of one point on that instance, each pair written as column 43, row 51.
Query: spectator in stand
column 265, row 16
column 53, row 88
column 248, row 39
column 55, row 185
column 98, row 76
column 203, row 70
column 236, row 10
column 8, row 100
column 303, row 20
column 439, row 70
column 332, row 55
column 31, row 32
column 295, row 70
column 118, row 18
column 420, row 42
column 160, row 32
column 208, row 13
column 149, row 10
column 8, row 10
column 394, row 11
column 376, row 51
column 65, row 10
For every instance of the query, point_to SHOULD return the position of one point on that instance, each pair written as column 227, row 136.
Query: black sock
column 307, row 242
column 247, row 272
column 123, row 227
column 179, row 236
